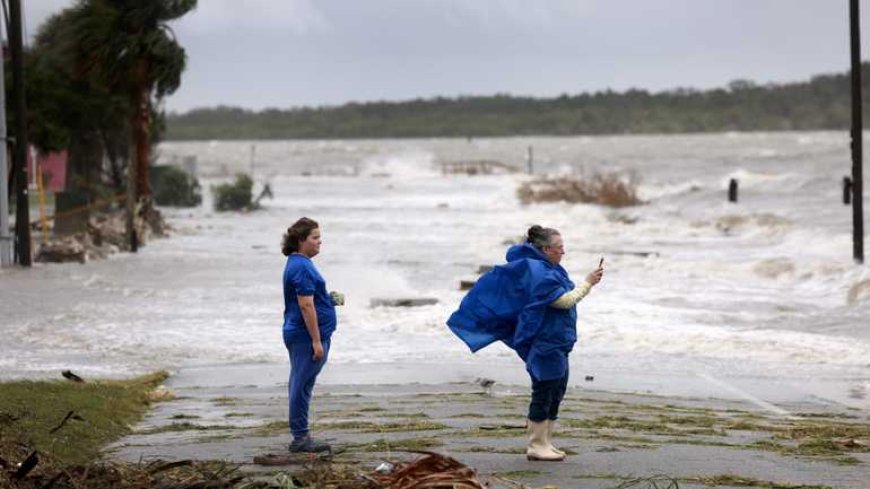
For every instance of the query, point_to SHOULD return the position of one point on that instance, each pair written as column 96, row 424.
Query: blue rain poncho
column 510, row 303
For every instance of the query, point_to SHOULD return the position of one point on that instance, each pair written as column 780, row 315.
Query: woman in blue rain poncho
column 529, row 304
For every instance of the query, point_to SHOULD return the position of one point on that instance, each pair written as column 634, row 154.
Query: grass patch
column 384, row 445
column 518, row 474
column 482, row 449
column 104, row 412
column 620, row 423
column 272, row 428
column 491, row 433
column 609, row 189
column 226, row 401
column 184, row 416
column 814, row 447
column 827, row 415
column 826, row 430
column 419, row 415
column 847, row 461
column 238, row 415
column 743, row 425
column 371, row 427
column 185, row 426
column 739, row 481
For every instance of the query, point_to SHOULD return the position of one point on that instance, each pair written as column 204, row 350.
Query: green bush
column 234, row 196
column 172, row 186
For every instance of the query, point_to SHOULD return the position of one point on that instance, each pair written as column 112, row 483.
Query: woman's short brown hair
column 296, row 234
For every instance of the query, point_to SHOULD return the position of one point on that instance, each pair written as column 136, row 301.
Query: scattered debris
column 476, row 167
column 70, row 415
column 486, row 384
column 67, row 374
column 493, row 427
column 769, row 224
column 62, row 250
column 859, row 291
column 266, row 193
column 403, row 302
column 466, row 284
column 26, row 466
column 432, row 471
column 385, row 468
column 279, row 459
column 641, row 254
column 160, row 394
column 622, row 218
column 653, row 482
column 184, row 474
column 106, row 235
column 774, row 268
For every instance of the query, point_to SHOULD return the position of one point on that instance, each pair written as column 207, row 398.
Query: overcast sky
column 287, row 53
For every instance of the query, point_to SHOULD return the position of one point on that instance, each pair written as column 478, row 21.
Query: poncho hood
column 525, row 250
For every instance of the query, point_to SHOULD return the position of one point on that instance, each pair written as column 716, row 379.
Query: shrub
column 173, row 186
column 234, row 196
column 610, row 190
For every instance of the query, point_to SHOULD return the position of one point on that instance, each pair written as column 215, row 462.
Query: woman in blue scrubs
column 529, row 303
column 309, row 321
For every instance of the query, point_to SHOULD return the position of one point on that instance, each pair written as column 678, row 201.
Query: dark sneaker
column 309, row 445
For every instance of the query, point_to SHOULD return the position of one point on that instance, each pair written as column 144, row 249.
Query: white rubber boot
column 551, row 423
column 538, row 448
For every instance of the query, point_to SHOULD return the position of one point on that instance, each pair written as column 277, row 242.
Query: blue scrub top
column 302, row 278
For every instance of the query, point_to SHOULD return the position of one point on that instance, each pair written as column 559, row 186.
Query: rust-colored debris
column 432, row 471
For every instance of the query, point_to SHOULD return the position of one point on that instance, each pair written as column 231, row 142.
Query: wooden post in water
column 857, row 135
column 131, row 206
column 530, row 158
column 732, row 190
column 847, row 190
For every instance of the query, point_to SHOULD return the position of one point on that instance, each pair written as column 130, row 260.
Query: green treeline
column 821, row 103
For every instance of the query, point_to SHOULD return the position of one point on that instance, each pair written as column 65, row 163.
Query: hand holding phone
column 595, row 277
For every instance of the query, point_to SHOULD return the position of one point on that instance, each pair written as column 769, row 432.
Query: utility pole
column 22, row 215
column 5, row 237
column 857, row 135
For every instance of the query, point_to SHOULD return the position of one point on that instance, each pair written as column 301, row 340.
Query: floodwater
column 694, row 286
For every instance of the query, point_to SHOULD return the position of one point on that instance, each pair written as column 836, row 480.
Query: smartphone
column 601, row 262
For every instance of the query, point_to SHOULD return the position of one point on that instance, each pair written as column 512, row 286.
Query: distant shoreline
column 821, row 103
column 529, row 136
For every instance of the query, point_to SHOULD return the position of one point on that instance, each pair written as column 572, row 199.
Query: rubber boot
column 551, row 423
column 538, row 448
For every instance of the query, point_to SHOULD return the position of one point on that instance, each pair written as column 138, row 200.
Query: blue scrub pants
column 303, row 373
column 546, row 397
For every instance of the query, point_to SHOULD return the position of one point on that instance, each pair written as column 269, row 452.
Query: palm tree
column 128, row 47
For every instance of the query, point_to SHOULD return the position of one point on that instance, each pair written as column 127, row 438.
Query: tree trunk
column 117, row 148
column 141, row 128
column 85, row 157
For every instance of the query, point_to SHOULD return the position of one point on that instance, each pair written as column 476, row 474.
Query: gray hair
column 539, row 236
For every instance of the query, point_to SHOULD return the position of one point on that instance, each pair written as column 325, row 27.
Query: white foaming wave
column 724, row 343
column 410, row 164
column 361, row 280
column 751, row 179
column 648, row 191
column 817, row 244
